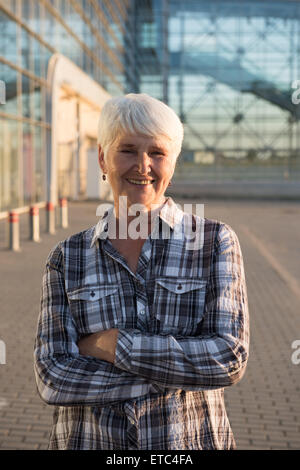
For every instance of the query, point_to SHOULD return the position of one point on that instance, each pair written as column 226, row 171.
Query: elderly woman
column 138, row 335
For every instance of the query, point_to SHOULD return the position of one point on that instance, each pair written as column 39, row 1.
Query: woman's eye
column 158, row 152
column 155, row 153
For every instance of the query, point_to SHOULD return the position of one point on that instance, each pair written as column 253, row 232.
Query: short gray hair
column 138, row 114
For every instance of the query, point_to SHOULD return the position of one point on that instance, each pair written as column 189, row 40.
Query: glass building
column 233, row 71
column 227, row 67
column 45, row 47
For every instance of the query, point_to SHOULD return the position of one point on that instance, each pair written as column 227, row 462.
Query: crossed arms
column 101, row 345
column 116, row 365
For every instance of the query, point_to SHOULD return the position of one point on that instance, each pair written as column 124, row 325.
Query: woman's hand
column 101, row 345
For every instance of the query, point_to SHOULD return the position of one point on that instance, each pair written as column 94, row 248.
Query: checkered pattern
column 183, row 336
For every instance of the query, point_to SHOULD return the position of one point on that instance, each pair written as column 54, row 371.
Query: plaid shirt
column 183, row 337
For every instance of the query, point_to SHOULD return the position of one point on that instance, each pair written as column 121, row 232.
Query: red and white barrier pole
column 14, row 231
column 63, row 204
column 50, row 212
column 34, row 220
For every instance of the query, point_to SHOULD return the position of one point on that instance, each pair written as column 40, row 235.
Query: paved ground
column 264, row 408
column 239, row 189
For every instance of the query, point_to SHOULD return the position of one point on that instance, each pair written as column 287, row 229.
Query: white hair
column 138, row 114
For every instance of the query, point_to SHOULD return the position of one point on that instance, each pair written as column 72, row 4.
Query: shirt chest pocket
column 178, row 305
column 95, row 308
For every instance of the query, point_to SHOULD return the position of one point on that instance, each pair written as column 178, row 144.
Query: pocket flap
column 92, row 292
column 181, row 286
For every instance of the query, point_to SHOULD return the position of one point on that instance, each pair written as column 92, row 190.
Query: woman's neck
column 138, row 225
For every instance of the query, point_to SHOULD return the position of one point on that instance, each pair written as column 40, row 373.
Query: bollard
column 63, row 204
column 14, row 231
column 50, row 213
column 34, row 221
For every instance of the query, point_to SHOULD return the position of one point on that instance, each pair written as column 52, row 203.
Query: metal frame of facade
column 222, row 92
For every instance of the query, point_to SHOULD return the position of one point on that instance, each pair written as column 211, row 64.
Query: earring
column 170, row 184
column 104, row 177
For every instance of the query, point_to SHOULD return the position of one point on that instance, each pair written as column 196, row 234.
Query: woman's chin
column 139, row 194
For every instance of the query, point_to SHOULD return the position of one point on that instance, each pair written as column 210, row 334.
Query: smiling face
column 140, row 168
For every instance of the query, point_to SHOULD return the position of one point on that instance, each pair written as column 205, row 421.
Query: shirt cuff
column 123, row 349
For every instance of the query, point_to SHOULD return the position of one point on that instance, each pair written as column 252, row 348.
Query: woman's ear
column 101, row 158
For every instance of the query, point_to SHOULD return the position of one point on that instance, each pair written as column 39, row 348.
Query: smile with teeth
column 144, row 182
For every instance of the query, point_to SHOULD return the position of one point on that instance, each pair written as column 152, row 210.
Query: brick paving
column 264, row 408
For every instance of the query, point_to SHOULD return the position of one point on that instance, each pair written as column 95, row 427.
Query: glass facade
column 232, row 65
column 225, row 66
column 152, row 26
column 98, row 36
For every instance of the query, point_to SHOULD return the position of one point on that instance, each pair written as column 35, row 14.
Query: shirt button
column 179, row 287
column 93, row 294
column 142, row 312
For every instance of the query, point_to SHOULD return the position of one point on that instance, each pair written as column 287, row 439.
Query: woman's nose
column 143, row 163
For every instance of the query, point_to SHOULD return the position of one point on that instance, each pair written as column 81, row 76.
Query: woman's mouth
column 140, row 182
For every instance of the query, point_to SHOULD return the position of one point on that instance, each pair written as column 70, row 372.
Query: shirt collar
column 169, row 213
